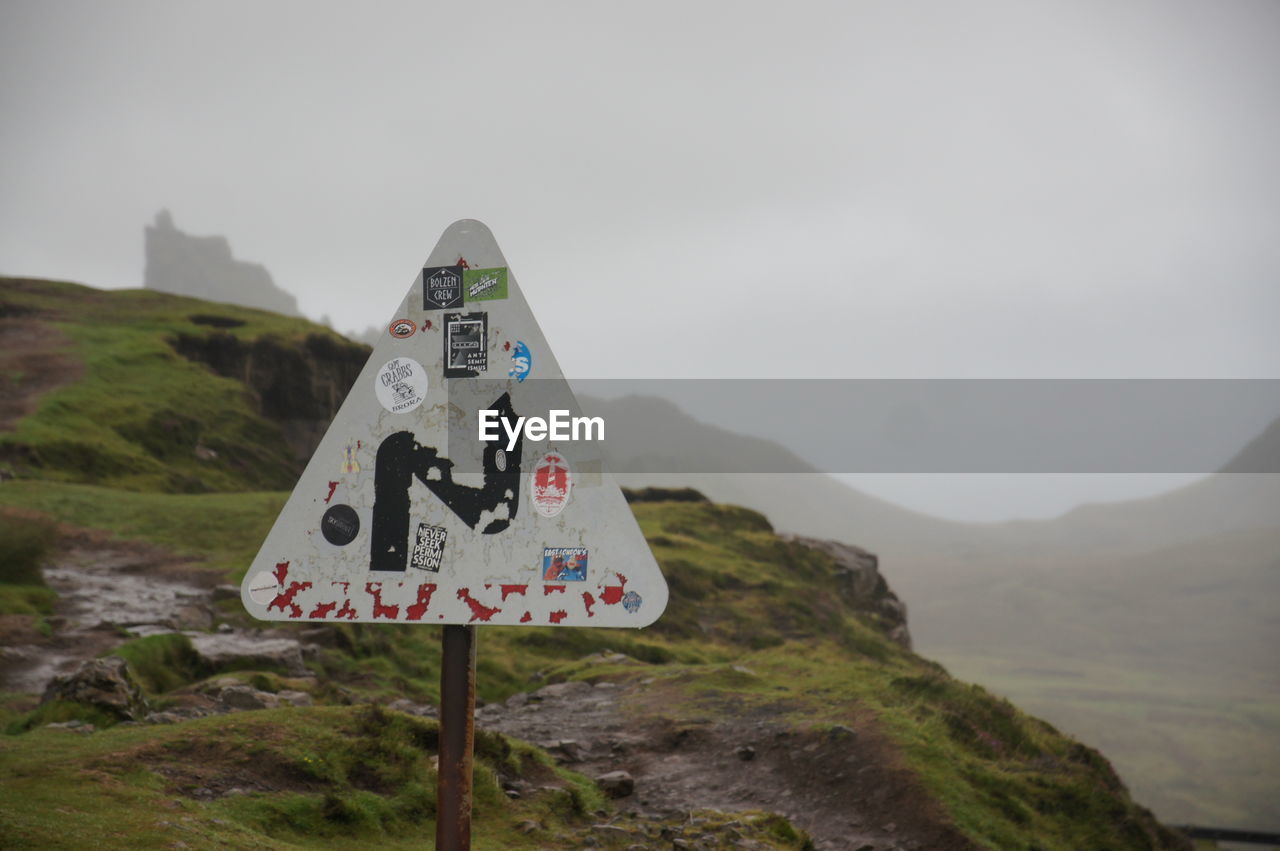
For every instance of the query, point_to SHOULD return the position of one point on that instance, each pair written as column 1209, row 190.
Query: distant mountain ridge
column 1261, row 453
column 649, row 434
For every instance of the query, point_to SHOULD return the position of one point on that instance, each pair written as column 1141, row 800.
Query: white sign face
column 404, row 515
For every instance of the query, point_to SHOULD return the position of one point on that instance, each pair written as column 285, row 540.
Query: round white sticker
column 401, row 385
column 264, row 588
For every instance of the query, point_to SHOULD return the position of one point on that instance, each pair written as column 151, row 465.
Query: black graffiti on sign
column 401, row 459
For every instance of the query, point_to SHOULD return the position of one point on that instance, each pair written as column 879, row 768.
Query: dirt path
column 839, row 786
column 34, row 359
column 108, row 591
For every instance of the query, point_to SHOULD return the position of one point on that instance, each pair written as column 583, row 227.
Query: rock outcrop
column 860, row 583
column 297, row 384
column 202, row 266
column 105, row 685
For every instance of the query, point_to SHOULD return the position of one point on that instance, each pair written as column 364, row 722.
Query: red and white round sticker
column 551, row 484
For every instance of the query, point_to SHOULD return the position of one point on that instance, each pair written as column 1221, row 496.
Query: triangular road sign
column 404, row 516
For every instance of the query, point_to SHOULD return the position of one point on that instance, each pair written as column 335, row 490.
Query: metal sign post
column 457, row 738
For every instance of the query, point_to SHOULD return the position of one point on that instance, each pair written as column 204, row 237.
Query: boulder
column 407, row 706
column 568, row 750
column 225, row 592
column 616, row 784
column 75, row 724
column 295, row 698
column 566, row 689
column 248, row 650
column 247, row 697
column 105, row 685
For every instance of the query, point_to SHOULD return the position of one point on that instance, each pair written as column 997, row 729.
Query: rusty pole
column 457, row 738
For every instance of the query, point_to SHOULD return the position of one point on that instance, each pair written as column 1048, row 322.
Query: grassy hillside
column 1145, row 627
column 113, row 402
column 753, row 626
column 757, row 633
column 1184, row 698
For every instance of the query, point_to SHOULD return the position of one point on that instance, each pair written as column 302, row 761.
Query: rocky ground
column 839, row 786
column 110, row 592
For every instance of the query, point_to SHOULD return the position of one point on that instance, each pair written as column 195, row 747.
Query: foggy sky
column 997, row 189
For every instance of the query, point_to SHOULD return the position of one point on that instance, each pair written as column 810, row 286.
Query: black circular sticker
column 340, row 525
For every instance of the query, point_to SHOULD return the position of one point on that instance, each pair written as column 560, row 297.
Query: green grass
column 26, row 540
column 224, row 529
column 315, row 777
column 1006, row 779
column 26, row 600
column 1179, row 743
column 162, row 663
column 135, row 419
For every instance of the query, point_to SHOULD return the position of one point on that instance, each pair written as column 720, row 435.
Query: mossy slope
column 142, row 416
column 755, row 624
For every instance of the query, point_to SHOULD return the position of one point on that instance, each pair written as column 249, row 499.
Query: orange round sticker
column 402, row 328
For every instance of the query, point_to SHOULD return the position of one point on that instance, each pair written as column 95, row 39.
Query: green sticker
column 484, row 284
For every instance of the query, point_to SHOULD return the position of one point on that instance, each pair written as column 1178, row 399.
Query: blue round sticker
column 521, row 362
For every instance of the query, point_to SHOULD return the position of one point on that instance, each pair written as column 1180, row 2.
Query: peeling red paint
column 427, row 324
column 547, row 589
column 588, row 601
column 379, row 610
column 506, row 347
column 322, row 610
column 333, row 486
column 526, row 617
column 462, row 261
column 612, row 594
column 281, row 571
column 346, row 611
column 286, row 598
column 558, row 616
column 508, row 590
column 415, row 611
column 479, row 611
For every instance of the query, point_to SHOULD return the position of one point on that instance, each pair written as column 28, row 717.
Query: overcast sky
column 996, row 189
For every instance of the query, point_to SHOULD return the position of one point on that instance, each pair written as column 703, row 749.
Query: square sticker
column 484, row 284
column 441, row 287
column 466, row 344
column 564, row 564
column 428, row 549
